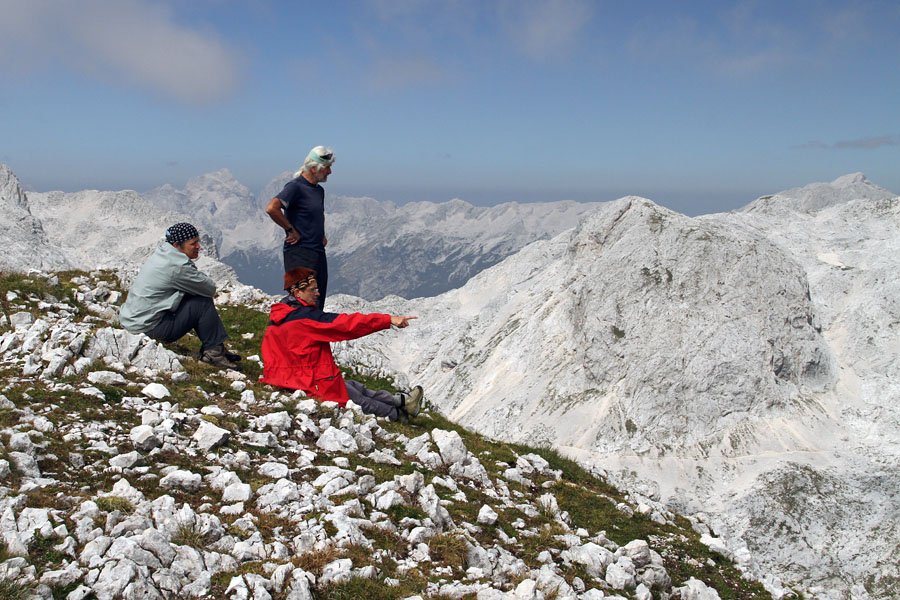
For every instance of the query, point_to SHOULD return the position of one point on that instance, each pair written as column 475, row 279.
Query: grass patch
column 41, row 552
column 373, row 383
column 358, row 588
column 13, row 590
column 113, row 503
column 398, row 512
column 448, row 548
column 386, row 540
column 314, row 561
column 191, row 535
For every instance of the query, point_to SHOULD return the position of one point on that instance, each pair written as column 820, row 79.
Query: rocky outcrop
column 60, row 344
column 25, row 244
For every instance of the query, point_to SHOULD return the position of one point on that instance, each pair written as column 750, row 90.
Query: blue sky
column 700, row 106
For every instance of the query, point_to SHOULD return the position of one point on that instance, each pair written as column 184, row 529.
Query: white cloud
column 870, row 143
column 124, row 42
column 544, row 29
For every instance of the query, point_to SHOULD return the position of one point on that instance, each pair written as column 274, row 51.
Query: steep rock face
column 849, row 248
column 25, row 245
column 641, row 330
column 743, row 364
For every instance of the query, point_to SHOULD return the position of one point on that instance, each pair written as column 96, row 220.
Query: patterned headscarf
column 181, row 232
column 298, row 278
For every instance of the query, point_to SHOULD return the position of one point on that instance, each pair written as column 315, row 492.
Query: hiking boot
column 413, row 401
column 217, row 357
column 230, row 355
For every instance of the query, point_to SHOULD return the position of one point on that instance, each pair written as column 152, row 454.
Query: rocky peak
column 818, row 196
column 22, row 236
column 11, row 192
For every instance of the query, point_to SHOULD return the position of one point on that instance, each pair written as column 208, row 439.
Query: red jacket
column 296, row 351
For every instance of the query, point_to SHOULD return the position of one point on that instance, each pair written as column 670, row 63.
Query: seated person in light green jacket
column 170, row 297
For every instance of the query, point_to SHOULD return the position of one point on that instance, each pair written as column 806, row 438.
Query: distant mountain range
column 744, row 365
column 375, row 248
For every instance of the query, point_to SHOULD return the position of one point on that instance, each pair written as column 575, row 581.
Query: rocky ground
column 130, row 470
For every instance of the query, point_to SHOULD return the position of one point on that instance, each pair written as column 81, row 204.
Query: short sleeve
column 287, row 194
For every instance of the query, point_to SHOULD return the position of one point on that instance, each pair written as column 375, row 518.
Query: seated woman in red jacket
column 297, row 353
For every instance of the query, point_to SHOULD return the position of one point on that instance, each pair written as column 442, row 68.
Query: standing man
column 170, row 297
column 300, row 210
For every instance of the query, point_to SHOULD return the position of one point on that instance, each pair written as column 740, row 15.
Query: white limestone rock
column 337, row 571
column 25, row 464
column 106, row 378
column 181, row 479
column 431, row 504
column 487, row 515
column 114, row 577
column 274, row 470
column 129, row 460
column 694, row 589
column 335, row 440
column 144, row 438
column 237, row 492
column 275, row 422
column 450, row 445
column 209, row 436
column 131, row 349
column 155, row 390
column 274, row 495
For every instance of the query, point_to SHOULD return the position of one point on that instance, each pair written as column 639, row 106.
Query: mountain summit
column 817, row 196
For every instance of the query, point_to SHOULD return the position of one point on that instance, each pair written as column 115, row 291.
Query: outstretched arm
column 276, row 213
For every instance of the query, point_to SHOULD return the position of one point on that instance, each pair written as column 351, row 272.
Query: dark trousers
column 197, row 313
column 296, row 256
column 380, row 403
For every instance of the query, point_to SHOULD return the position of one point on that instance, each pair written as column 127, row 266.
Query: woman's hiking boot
column 217, row 356
column 411, row 403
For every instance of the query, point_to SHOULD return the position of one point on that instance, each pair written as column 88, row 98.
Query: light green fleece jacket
column 160, row 285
